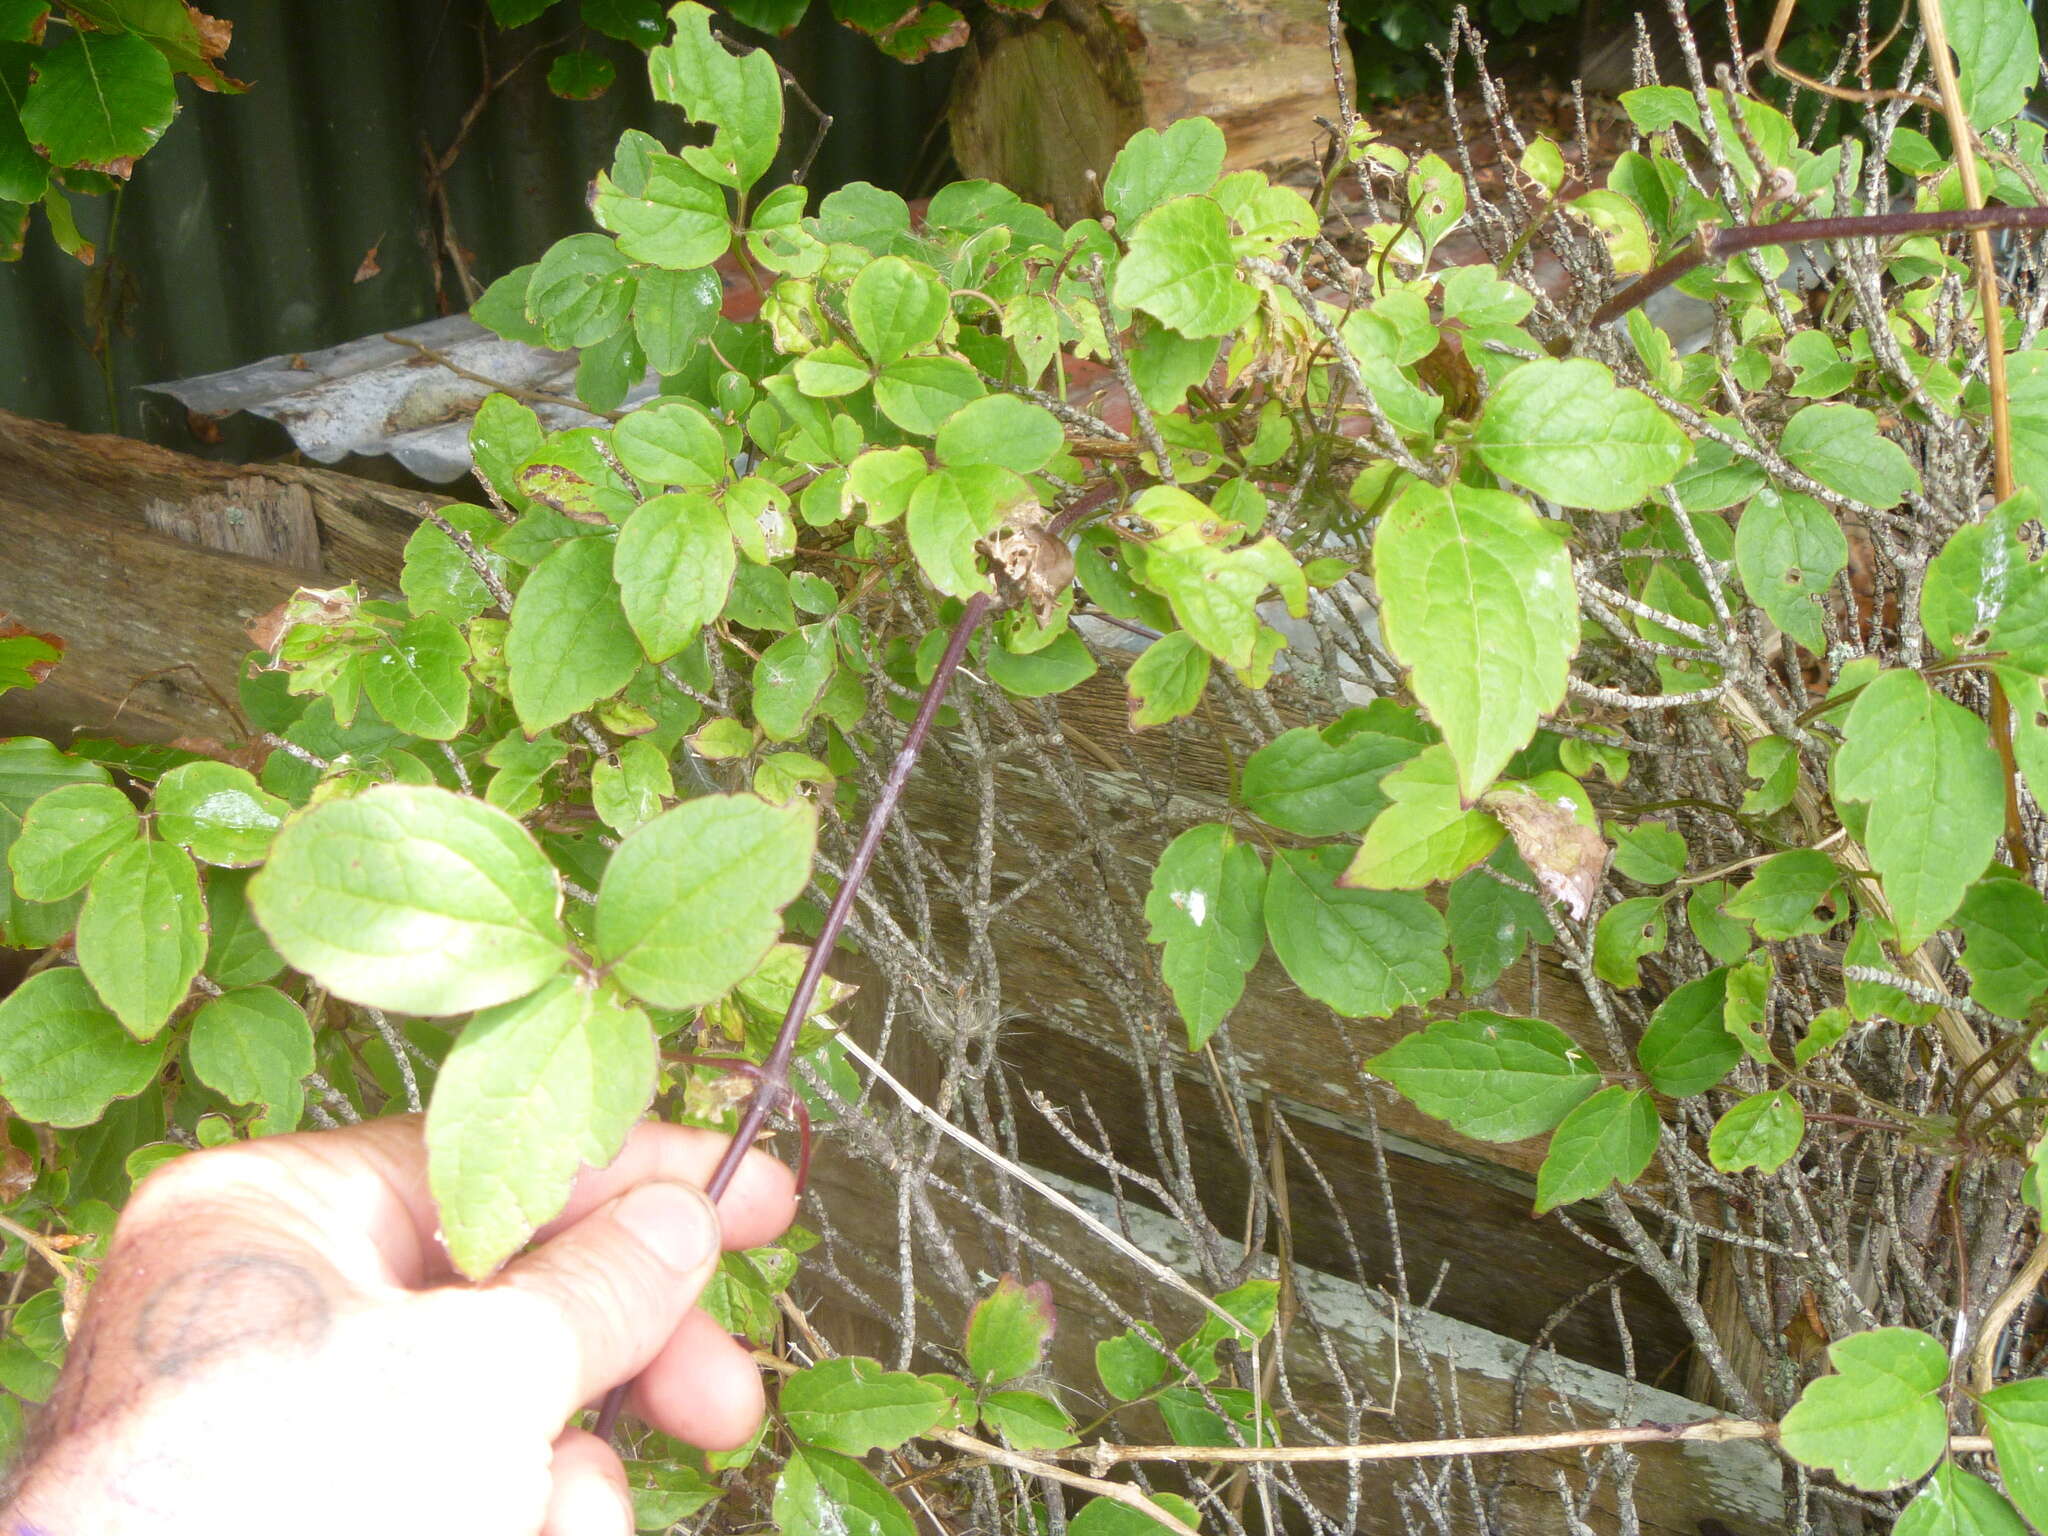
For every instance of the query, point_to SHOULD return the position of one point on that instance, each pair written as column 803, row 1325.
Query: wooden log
column 150, row 563
column 1042, row 106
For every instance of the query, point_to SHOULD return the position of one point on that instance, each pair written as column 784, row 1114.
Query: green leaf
column 1687, row 1048
column 1167, row 680
column 98, row 98
column 1477, row 600
column 950, row 512
column 2017, row 1416
column 1981, row 572
column 1364, row 953
column 1997, row 56
column 1626, row 932
column 1191, row 1421
column 672, row 314
column 1840, row 446
column 237, row 953
column 1026, row 1421
column 1064, row 664
column 1425, row 835
column 572, row 474
column 1158, row 164
column 821, row 1493
column 628, row 794
column 502, row 310
column 882, row 479
column 1489, row 1075
column 1725, row 940
column 1564, row 430
column 664, row 1493
column 253, row 1046
column 672, row 443
column 1820, row 371
column 1782, row 898
column 638, row 22
column 1490, row 925
column 412, row 899
column 1774, row 763
column 1008, row 1331
column 219, row 812
column 1874, row 1000
column 830, row 371
column 1876, row 1423
column 581, row 75
column 790, row 678
column 918, row 394
column 533, row 1090
column 1958, row 1503
column 1206, row 907
column 1182, row 269
column 896, row 308
column 1760, row 1132
column 740, row 93
column 1936, row 794
column 24, row 174
column 569, row 645
column 1827, row 1027
column 2005, row 933
column 64, row 1057
column 416, row 679
column 1133, row 1362
column 853, row 1406
column 1303, row 782
column 1108, row 1517
column 1214, row 590
column 1609, row 1139
column 1746, row 1008
column 438, row 578
column 581, row 291
column 692, row 902
column 1789, row 549
column 142, row 933
column 1165, row 365
column 1650, row 852
column 1002, row 430
column 674, row 567
column 68, row 834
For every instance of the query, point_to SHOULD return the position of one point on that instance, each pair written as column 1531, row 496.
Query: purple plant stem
column 774, row 1073
column 1714, row 243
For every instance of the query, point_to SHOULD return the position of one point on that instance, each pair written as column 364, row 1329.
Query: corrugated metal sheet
column 242, row 231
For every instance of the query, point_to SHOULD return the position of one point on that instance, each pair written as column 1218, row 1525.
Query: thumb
column 621, row 1280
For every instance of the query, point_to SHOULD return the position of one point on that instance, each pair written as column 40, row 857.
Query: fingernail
column 674, row 1221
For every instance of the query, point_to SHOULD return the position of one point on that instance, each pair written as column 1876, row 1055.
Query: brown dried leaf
column 17, row 1174
column 368, row 267
column 1030, row 565
column 214, row 33
column 1568, row 858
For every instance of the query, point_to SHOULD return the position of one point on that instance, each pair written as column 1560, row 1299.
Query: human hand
column 278, row 1341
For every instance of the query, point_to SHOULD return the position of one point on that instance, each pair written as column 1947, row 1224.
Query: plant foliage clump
column 1649, row 572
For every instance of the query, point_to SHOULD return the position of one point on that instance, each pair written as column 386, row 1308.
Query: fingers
column 358, row 1196
column 612, row 1289
column 702, row 1388
column 760, row 1202
column 588, row 1496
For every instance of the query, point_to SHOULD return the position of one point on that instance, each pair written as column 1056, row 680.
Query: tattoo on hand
column 229, row 1303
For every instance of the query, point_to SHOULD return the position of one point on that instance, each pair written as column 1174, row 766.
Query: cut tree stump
column 1042, row 106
